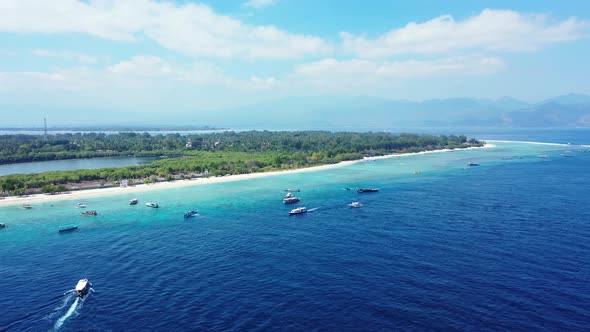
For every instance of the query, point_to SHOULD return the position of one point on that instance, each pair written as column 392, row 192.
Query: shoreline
column 98, row 192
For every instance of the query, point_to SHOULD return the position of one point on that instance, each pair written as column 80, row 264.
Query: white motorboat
column 82, row 287
column 298, row 210
column 291, row 200
column 355, row 205
column 152, row 205
column 133, row 201
column 80, row 205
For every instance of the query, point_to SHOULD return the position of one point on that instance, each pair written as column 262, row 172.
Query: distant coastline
column 114, row 128
column 98, row 192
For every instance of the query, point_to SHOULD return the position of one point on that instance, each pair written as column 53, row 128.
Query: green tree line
column 218, row 153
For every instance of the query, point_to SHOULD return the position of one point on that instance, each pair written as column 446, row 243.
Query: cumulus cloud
column 491, row 30
column 191, row 29
column 258, row 3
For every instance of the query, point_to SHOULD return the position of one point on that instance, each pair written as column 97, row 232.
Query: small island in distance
column 116, row 128
column 198, row 155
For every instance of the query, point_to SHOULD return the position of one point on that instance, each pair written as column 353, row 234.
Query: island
column 183, row 157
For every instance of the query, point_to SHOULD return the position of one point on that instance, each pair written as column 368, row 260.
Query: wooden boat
column 68, row 228
column 191, row 213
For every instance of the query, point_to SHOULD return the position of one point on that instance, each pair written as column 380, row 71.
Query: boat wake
column 71, row 311
column 311, row 210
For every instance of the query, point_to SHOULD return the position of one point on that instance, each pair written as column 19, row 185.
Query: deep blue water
column 503, row 246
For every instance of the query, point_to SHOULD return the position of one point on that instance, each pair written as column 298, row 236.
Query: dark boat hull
column 371, row 190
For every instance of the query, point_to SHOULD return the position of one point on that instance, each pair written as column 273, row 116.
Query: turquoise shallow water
column 499, row 246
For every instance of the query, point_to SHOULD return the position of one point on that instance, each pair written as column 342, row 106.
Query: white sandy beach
column 90, row 193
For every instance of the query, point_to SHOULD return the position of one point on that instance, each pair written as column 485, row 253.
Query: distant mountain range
column 572, row 110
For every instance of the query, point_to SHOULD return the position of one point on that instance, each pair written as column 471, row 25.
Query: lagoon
column 71, row 164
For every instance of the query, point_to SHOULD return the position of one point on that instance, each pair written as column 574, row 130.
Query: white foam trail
column 528, row 142
column 311, row 210
column 70, row 312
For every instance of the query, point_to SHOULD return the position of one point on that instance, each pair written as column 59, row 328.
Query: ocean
column 441, row 246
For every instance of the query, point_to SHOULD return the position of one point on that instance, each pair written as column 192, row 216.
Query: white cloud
column 263, row 83
column 492, row 30
column 146, row 67
column 67, row 55
column 258, row 3
column 144, row 74
column 355, row 69
column 191, row 29
column 361, row 76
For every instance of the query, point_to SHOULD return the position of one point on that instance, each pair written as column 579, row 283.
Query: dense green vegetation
column 212, row 154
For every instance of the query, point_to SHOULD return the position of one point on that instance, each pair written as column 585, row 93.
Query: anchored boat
column 291, row 200
column 68, row 228
column 191, row 213
column 367, row 190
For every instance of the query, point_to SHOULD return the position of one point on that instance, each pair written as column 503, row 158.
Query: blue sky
column 122, row 56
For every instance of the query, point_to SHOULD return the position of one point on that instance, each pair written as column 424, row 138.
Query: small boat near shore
column 367, row 190
column 191, row 213
column 291, row 200
column 27, row 206
column 355, row 205
column 152, row 205
column 89, row 213
column 67, row 228
column 292, row 190
column 470, row 164
column 82, row 287
column 2, row 225
column 133, row 201
column 299, row 210
column 80, row 206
